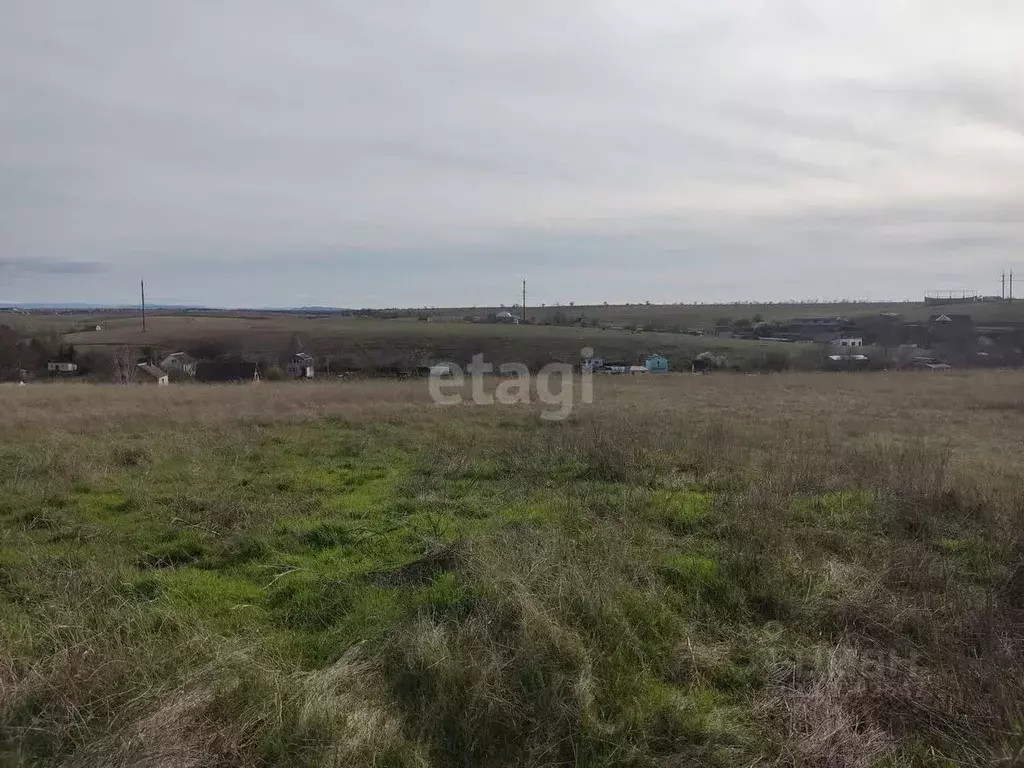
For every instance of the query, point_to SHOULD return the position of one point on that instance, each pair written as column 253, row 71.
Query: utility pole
column 1004, row 286
column 524, row 300
column 1011, row 285
column 142, row 283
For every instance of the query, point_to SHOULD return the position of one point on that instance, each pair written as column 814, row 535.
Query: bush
column 275, row 373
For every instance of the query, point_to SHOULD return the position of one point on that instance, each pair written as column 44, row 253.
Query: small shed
column 301, row 366
column 151, row 374
column 847, row 362
column 656, row 364
column 923, row 364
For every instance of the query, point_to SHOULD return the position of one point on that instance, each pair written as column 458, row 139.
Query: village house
column 301, row 366
column 61, row 367
column 844, row 341
column 656, row 364
column 179, row 365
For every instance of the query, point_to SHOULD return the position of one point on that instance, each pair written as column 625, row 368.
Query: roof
column 656, row 357
column 303, row 356
column 947, row 318
column 152, row 370
column 844, row 358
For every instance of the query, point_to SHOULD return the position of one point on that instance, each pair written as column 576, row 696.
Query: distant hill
column 83, row 306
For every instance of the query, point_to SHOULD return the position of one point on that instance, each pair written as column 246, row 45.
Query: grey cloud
column 50, row 267
column 669, row 149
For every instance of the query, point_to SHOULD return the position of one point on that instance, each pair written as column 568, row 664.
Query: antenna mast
column 142, row 284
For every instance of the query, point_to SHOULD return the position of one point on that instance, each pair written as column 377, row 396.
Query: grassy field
column 660, row 315
column 707, row 315
column 800, row 569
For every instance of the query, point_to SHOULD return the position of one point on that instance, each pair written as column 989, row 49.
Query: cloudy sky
column 435, row 152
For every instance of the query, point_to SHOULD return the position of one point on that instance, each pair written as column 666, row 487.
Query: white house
column 592, row 363
column 848, row 342
column 62, row 367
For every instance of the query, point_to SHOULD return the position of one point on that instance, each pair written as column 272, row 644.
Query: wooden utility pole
column 524, row 300
column 142, row 283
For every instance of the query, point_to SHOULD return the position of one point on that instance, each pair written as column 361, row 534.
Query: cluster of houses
column 180, row 366
column 886, row 340
column 651, row 364
column 944, row 340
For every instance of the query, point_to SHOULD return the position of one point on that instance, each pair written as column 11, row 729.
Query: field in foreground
column 797, row 570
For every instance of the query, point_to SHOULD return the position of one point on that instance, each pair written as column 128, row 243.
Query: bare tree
column 125, row 365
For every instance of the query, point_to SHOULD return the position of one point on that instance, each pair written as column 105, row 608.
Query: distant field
column 799, row 569
column 707, row 315
column 667, row 316
column 363, row 342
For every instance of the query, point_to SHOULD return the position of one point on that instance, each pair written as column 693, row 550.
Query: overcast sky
column 435, row 152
